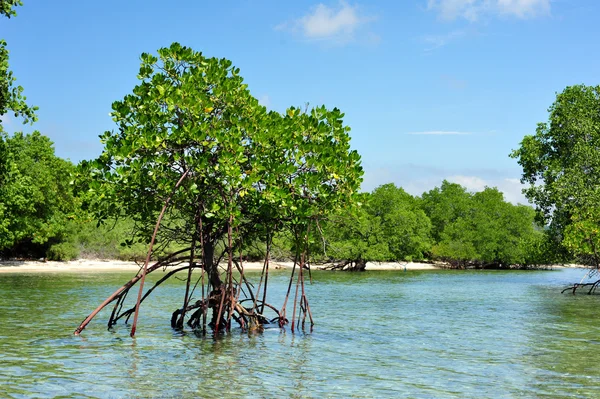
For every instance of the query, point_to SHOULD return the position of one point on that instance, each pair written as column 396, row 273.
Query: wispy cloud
column 524, row 8
column 472, row 10
column 8, row 123
column 511, row 188
column 471, row 183
column 440, row 133
column 417, row 179
column 339, row 24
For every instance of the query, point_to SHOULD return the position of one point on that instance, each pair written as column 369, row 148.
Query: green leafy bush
column 63, row 251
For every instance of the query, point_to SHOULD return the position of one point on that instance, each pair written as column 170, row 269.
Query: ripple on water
column 440, row 334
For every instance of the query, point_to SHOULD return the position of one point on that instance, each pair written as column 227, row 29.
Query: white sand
column 98, row 265
column 374, row 266
column 81, row 265
column 401, row 266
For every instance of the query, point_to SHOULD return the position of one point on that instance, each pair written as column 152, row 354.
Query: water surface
column 430, row 334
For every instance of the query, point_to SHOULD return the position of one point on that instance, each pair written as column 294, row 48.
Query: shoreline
column 101, row 265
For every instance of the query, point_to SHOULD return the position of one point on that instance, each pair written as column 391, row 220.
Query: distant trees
column 444, row 206
column 35, row 195
column 480, row 229
column 385, row 225
column 402, row 221
column 561, row 164
column 447, row 223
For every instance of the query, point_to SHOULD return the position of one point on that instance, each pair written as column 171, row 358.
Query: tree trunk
column 211, row 266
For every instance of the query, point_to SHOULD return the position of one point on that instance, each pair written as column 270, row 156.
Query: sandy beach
column 99, row 265
column 401, row 266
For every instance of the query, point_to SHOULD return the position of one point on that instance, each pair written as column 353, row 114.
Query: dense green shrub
column 63, row 251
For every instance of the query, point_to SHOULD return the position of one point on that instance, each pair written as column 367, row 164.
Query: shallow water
column 430, row 334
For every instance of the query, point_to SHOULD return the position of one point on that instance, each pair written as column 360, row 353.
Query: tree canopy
column 194, row 114
column 561, row 165
column 194, row 143
column 11, row 96
column 385, row 225
column 480, row 228
column 35, row 195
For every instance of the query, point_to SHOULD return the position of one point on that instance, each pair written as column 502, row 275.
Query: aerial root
column 589, row 275
column 250, row 311
column 349, row 265
column 119, row 294
column 593, row 286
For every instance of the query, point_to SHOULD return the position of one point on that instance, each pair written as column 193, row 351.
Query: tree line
column 44, row 216
column 106, row 207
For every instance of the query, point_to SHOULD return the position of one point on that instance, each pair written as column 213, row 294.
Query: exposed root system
column 590, row 287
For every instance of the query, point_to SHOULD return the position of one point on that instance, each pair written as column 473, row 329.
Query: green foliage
column 11, row 96
column 83, row 238
column 447, row 223
column 403, row 222
column 386, row 225
column 63, row 251
column 35, row 195
column 354, row 235
column 282, row 248
column 561, row 164
column 444, row 206
column 540, row 249
column 192, row 114
column 480, row 229
column 104, row 241
column 111, row 240
column 7, row 7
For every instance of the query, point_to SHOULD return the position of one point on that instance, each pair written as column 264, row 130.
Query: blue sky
column 433, row 89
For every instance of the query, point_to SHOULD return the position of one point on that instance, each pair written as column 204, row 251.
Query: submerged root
column 219, row 297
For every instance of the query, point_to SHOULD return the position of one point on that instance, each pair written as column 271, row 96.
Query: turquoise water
column 430, row 334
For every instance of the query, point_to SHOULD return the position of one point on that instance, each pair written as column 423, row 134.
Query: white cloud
column 327, row 22
column 524, row 8
column 339, row 24
column 510, row 187
column 439, row 133
column 417, row 179
column 474, row 9
column 452, row 9
column 471, row 183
